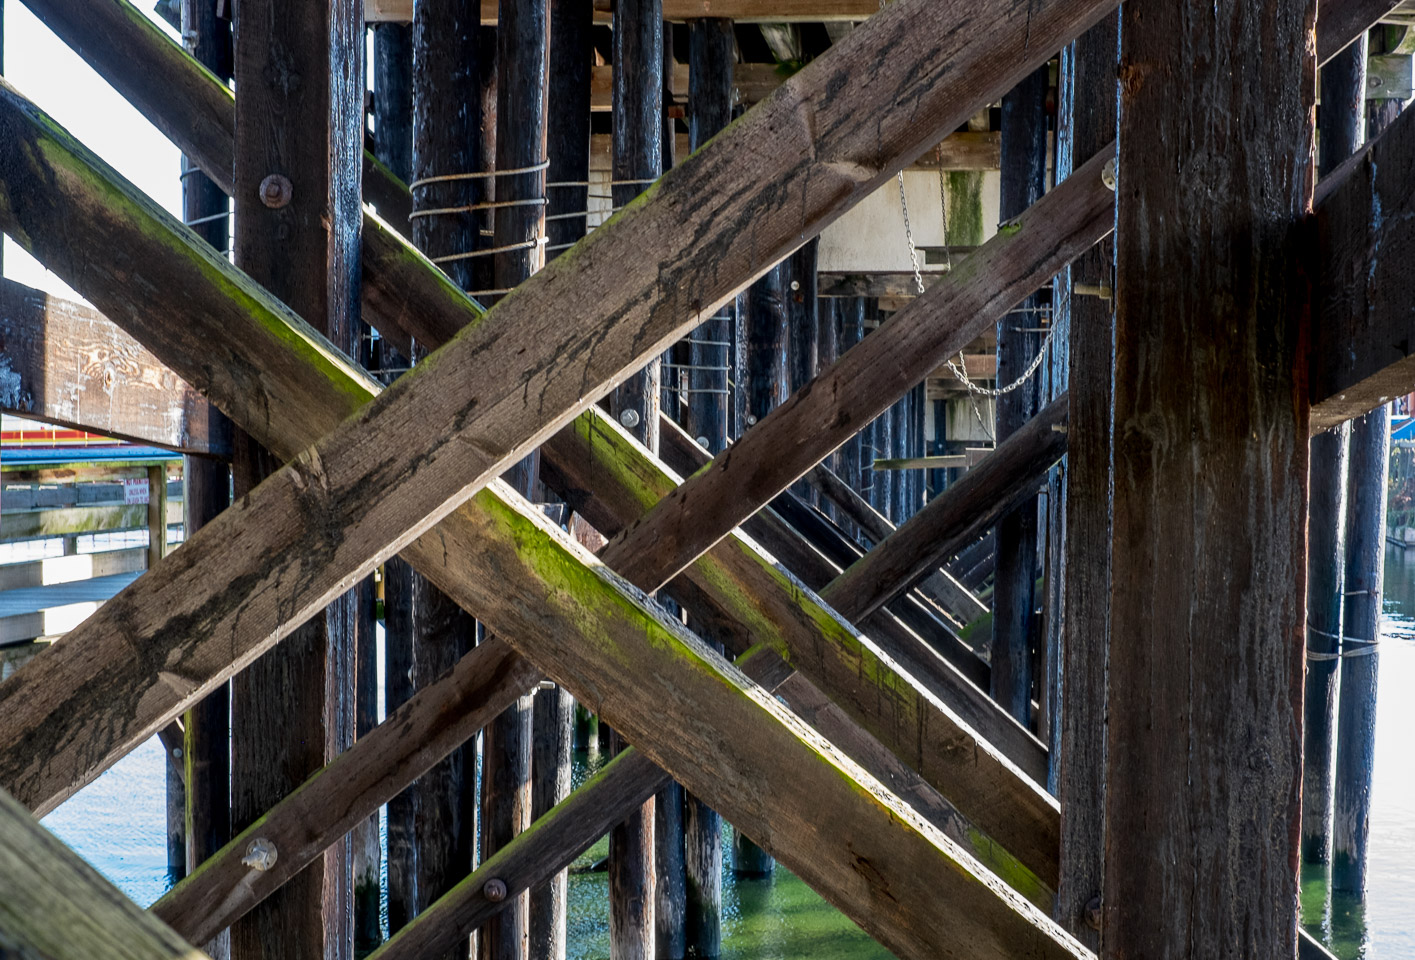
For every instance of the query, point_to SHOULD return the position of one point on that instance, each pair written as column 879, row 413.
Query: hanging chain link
column 962, row 375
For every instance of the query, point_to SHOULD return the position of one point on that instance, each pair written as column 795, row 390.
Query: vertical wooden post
column 1364, row 576
column 156, row 514
column 1088, row 70
column 899, row 448
column 852, row 328
column 176, row 789
column 447, row 143
column 393, row 145
column 1342, row 124
column 1024, row 151
column 1356, row 711
column 1204, row 751
column 207, row 726
column 637, row 159
column 802, row 321
column 522, row 37
column 568, row 150
column 298, row 223
column 711, row 49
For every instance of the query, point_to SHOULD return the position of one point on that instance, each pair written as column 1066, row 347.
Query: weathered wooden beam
column 750, row 11
column 566, row 831
column 1090, row 66
column 437, row 720
column 868, row 378
column 65, row 363
column 54, row 905
column 89, row 518
column 566, row 599
column 741, row 598
column 1209, row 527
column 928, row 667
column 297, row 213
column 965, row 511
column 939, row 586
column 1363, row 329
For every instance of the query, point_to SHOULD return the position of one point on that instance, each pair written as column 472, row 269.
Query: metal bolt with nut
column 276, row 191
column 494, row 890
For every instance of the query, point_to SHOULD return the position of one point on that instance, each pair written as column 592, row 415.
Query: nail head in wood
column 276, row 191
column 495, row 890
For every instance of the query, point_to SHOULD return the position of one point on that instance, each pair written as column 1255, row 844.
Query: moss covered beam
column 742, row 597
column 158, row 647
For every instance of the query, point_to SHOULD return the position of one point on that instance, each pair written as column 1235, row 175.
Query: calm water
column 118, row 824
column 1384, row 928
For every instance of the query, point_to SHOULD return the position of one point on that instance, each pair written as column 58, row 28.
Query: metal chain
column 961, row 375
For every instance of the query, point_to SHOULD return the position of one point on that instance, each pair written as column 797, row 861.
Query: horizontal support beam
column 747, row 11
column 440, row 717
column 65, row 363
column 1363, row 329
column 54, row 905
column 89, row 518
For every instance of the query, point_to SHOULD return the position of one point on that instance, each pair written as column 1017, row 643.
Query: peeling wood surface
column 1204, row 719
column 64, row 363
column 1363, row 331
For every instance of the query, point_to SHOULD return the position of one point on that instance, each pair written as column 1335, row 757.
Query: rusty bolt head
column 276, row 191
column 1093, row 913
column 495, row 890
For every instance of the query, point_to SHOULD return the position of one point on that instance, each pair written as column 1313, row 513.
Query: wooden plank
column 953, row 519
column 65, row 363
column 1086, row 617
column 942, row 677
column 740, row 598
column 1364, row 325
column 604, row 254
column 572, row 827
column 939, row 586
column 750, row 11
column 870, row 376
column 799, row 825
column 54, row 905
column 751, row 84
column 297, row 212
column 438, row 719
column 14, row 576
column 1208, row 543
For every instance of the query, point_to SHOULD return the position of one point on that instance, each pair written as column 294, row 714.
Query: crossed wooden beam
column 49, row 179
